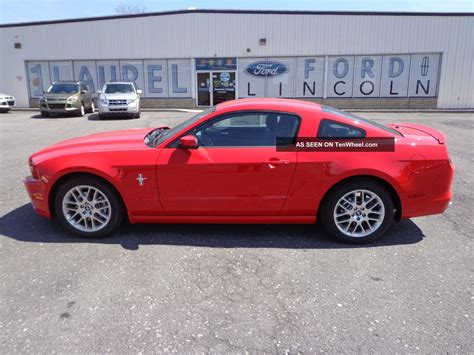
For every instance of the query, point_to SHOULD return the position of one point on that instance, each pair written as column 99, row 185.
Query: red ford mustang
column 225, row 165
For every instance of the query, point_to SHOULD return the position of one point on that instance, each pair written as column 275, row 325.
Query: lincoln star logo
column 141, row 179
column 266, row 68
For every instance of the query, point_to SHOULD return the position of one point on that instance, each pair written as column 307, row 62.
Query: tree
column 127, row 9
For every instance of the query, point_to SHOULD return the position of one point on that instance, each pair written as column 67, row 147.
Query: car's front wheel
column 87, row 206
column 358, row 212
column 82, row 110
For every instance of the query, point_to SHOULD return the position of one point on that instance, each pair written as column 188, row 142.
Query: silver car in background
column 6, row 102
column 119, row 99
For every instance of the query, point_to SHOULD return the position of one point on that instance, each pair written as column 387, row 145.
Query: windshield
column 63, row 89
column 159, row 135
column 119, row 88
column 337, row 112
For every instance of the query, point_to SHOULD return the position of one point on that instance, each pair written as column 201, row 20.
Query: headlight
column 103, row 100
column 131, row 101
column 71, row 99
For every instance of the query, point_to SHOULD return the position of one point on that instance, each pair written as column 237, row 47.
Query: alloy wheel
column 359, row 213
column 86, row 208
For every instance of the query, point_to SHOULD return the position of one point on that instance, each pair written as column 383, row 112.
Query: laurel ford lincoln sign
column 353, row 76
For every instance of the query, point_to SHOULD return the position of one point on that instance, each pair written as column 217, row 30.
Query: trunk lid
column 408, row 129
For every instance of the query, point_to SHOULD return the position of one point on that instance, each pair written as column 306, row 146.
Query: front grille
column 117, row 102
column 118, row 110
column 56, row 105
column 11, row 103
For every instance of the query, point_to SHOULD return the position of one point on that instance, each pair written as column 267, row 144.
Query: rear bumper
column 429, row 192
column 36, row 191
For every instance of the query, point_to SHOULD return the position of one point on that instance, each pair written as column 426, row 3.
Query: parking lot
column 231, row 288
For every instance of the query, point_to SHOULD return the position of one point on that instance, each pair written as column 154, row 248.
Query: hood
column 4, row 95
column 119, row 96
column 49, row 96
column 131, row 139
column 416, row 131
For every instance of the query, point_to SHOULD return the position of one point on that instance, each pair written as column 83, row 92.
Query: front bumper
column 36, row 190
column 6, row 105
column 58, row 107
column 128, row 109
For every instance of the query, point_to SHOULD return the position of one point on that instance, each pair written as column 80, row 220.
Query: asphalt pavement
column 231, row 288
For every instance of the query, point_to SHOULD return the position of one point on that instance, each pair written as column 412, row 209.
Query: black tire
column 100, row 116
column 44, row 114
column 138, row 114
column 81, row 111
column 329, row 204
column 116, row 206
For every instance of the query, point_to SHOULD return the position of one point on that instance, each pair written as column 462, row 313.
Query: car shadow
column 55, row 116
column 24, row 225
column 95, row 117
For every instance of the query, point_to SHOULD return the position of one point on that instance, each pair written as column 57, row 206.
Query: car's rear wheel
column 88, row 207
column 358, row 212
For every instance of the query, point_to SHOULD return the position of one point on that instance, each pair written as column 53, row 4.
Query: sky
column 14, row 11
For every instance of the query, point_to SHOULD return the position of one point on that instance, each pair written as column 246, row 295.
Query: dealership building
column 198, row 58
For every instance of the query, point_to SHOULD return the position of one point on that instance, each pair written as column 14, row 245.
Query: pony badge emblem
column 141, row 179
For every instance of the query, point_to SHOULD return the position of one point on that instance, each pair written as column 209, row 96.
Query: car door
column 236, row 170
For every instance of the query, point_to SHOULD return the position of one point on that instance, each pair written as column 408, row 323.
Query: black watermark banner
column 312, row 144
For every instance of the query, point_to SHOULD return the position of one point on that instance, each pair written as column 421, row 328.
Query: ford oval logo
column 266, row 68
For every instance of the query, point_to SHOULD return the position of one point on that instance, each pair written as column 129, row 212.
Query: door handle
column 275, row 162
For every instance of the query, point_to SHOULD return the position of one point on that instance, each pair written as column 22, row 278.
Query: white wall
column 194, row 34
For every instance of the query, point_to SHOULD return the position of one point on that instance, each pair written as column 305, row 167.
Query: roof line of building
column 258, row 12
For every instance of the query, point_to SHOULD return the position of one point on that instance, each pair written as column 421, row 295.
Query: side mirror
column 139, row 91
column 188, row 142
column 99, row 91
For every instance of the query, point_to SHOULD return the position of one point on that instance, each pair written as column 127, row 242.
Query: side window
column 333, row 129
column 247, row 130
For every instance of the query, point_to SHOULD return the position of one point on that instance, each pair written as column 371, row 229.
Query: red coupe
column 241, row 162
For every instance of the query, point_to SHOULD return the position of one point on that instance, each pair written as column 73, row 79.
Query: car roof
column 289, row 105
column 119, row 82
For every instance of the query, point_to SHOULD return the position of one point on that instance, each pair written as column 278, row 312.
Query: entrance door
column 204, row 89
column 223, row 87
column 215, row 87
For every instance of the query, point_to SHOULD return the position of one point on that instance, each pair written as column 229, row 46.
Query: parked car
column 66, row 97
column 6, row 102
column 224, row 165
column 119, row 99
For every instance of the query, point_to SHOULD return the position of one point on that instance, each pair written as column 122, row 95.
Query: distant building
column 202, row 57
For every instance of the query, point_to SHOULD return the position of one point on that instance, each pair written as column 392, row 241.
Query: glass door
column 223, row 87
column 204, row 89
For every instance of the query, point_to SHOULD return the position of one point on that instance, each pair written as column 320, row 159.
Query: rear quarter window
column 330, row 129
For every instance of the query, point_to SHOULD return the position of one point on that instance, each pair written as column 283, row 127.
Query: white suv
column 119, row 99
column 6, row 102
